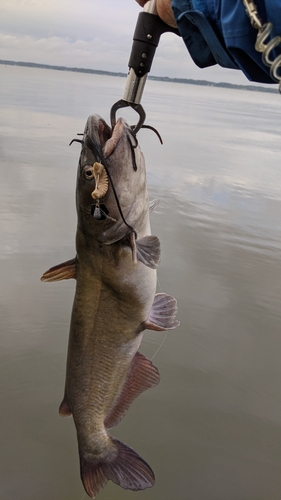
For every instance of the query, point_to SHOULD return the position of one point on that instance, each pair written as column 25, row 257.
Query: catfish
column 115, row 301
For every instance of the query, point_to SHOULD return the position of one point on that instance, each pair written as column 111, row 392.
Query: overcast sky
column 94, row 34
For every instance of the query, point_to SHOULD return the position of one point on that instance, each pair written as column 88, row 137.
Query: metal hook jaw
column 124, row 104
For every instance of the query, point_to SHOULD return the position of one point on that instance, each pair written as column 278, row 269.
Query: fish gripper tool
column 148, row 31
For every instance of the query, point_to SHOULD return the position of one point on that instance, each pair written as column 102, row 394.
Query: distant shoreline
column 151, row 77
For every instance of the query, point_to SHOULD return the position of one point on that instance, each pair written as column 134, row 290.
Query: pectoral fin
column 146, row 250
column 142, row 375
column 64, row 271
column 162, row 314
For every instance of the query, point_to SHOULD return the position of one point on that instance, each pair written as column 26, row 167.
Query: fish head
column 111, row 194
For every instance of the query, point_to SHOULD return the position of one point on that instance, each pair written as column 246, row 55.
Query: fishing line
column 166, row 333
column 159, row 284
column 165, row 336
column 97, row 152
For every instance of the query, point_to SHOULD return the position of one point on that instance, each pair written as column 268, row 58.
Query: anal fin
column 64, row 271
column 163, row 313
column 142, row 375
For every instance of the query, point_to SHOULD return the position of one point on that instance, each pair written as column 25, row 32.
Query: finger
column 141, row 2
column 164, row 11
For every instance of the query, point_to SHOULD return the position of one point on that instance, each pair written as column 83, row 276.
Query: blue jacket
column 220, row 32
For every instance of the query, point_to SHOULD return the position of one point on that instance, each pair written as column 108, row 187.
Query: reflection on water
column 211, row 429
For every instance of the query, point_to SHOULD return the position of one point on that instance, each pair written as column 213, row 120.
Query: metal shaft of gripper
column 142, row 54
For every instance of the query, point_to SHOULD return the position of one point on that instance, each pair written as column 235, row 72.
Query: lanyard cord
column 264, row 30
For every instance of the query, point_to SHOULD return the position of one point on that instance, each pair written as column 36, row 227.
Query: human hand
column 164, row 11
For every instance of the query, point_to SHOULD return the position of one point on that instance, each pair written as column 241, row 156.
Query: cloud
column 84, row 33
column 75, row 19
column 96, row 54
column 94, row 34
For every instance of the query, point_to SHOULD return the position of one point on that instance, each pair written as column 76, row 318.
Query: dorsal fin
column 64, row 271
column 153, row 204
column 142, row 375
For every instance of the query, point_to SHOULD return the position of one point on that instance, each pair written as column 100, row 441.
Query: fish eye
column 88, row 172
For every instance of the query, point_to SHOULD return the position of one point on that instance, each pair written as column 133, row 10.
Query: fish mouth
column 102, row 140
column 98, row 131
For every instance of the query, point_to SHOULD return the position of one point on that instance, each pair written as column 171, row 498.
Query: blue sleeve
column 220, row 32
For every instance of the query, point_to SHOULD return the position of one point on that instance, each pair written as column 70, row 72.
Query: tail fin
column 127, row 469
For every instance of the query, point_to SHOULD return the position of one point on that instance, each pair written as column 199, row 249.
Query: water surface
column 211, row 429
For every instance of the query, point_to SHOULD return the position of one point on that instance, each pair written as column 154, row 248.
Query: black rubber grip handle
column 147, row 34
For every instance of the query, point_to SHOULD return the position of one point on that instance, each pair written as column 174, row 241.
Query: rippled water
column 212, row 429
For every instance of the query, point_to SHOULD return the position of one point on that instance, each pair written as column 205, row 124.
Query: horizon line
column 166, row 79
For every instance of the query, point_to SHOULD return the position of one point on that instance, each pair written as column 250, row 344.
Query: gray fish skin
column 113, row 304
